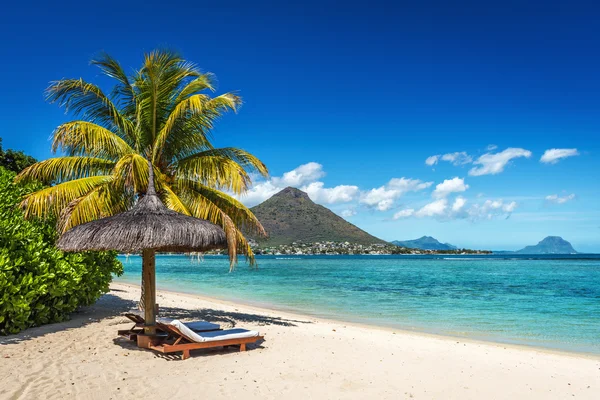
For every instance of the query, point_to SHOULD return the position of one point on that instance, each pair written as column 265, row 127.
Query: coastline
column 301, row 357
column 273, row 309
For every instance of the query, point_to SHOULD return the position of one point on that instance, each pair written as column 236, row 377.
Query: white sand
column 302, row 357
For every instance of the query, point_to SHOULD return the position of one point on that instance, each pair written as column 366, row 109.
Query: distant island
column 296, row 225
column 548, row 245
column 424, row 243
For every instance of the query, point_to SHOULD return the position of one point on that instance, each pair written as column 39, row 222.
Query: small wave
column 288, row 258
column 479, row 258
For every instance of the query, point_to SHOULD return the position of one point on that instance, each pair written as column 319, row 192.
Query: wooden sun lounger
column 138, row 327
column 184, row 343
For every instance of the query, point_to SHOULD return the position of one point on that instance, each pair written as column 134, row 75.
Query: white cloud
column 491, row 147
column 554, row 198
column 404, row 213
column 458, row 158
column 337, row 194
column 385, row 205
column 306, row 178
column 405, row 185
column 494, row 163
column 259, row 192
column 552, row 156
column 307, row 175
column 380, row 198
column 491, row 209
column 383, row 198
column 347, row 213
column 434, row 209
column 445, row 205
column 441, row 210
column 432, row 160
column 459, row 203
column 453, row 185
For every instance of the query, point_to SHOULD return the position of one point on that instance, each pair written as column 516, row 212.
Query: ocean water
column 551, row 302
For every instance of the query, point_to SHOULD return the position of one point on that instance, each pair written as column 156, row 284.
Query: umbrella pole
column 148, row 272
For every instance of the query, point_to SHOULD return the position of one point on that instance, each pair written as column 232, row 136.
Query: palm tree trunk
column 149, row 290
column 141, row 302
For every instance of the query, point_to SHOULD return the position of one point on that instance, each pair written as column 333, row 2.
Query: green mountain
column 291, row 216
column 424, row 243
column 550, row 245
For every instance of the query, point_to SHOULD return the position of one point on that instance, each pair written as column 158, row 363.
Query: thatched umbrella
column 147, row 228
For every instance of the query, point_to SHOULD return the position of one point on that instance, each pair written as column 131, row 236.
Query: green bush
column 40, row 284
column 13, row 160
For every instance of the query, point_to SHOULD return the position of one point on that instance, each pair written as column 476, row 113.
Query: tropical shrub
column 13, row 160
column 40, row 284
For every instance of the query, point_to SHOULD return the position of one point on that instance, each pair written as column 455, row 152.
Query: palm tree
column 160, row 114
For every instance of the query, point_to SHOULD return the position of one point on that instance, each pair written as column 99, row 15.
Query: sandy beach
column 301, row 357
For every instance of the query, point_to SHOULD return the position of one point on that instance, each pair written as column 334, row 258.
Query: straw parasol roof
column 148, row 225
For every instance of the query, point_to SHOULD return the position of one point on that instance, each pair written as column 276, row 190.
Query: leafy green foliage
column 40, row 284
column 15, row 161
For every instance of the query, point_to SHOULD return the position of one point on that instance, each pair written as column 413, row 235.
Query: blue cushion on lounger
column 226, row 334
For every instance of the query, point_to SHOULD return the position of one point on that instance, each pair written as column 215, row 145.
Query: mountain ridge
column 424, row 243
column 291, row 216
column 549, row 245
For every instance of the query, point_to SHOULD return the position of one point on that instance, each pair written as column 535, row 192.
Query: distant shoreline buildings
column 343, row 248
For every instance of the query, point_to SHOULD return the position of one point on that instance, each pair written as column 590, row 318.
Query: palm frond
column 172, row 201
column 89, row 102
column 190, row 106
column 202, row 207
column 225, row 102
column 201, row 199
column 215, row 171
column 243, row 247
column 123, row 91
column 188, row 129
column 231, row 233
column 158, row 82
column 205, row 81
column 132, row 171
column 242, row 157
column 60, row 169
column 89, row 139
column 187, row 137
column 52, row 200
column 103, row 201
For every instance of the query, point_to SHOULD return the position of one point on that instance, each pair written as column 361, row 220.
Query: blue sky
column 361, row 96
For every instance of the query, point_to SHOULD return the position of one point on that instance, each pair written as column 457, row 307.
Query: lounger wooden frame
column 138, row 328
column 185, row 344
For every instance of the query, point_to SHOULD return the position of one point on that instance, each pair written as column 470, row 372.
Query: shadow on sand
column 229, row 318
column 110, row 306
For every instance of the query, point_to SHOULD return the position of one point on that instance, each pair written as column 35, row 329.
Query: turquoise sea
column 545, row 301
